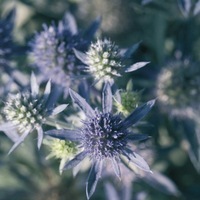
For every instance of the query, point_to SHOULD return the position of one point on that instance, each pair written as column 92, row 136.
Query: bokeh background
column 169, row 36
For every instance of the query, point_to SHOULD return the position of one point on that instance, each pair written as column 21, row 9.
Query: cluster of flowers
column 64, row 55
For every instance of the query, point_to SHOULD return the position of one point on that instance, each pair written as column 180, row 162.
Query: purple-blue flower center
column 102, row 136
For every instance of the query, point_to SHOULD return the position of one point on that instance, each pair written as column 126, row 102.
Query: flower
column 52, row 50
column 104, row 136
column 6, row 42
column 126, row 100
column 104, row 60
column 61, row 149
column 27, row 111
column 178, row 88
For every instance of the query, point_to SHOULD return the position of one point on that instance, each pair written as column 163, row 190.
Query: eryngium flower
column 104, row 136
column 52, row 49
column 29, row 110
column 178, row 88
column 6, row 41
column 104, row 60
column 61, row 149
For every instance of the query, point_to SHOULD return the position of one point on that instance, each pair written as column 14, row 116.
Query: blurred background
column 169, row 36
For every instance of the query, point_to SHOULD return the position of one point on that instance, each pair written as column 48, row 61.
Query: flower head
column 29, row 110
column 178, row 88
column 104, row 60
column 52, row 50
column 6, row 42
column 104, row 136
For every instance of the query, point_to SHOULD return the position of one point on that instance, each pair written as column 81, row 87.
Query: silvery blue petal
column 19, row 141
column 40, row 136
column 196, row 8
column 116, row 168
column 59, row 109
column 137, row 160
column 162, row 183
column 70, row 22
column 34, row 85
column 111, row 192
column 81, row 102
column 94, row 175
column 75, row 161
column 137, row 114
column 136, row 66
column 64, row 134
column 107, row 98
column 47, row 90
column 128, row 53
column 185, row 6
column 90, row 32
column 81, row 56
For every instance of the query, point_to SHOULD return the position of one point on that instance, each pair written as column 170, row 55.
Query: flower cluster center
column 102, row 136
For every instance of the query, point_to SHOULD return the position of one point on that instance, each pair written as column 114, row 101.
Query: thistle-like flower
column 6, row 41
column 104, row 60
column 52, row 50
column 178, row 88
column 61, row 149
column 104, row 136
column 29, row 110
column 126, row 100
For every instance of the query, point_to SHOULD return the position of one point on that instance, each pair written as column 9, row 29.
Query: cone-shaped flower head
column 29, row 110
column 178, row 88
column 52, row 50
column 104, row 136
column 104, row 60
column 6, row 41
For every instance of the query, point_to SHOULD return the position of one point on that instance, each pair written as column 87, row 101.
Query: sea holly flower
column 104, row 136
column 27, row 111
column 60, row 149
column 52, row 50
column 126, row 100
column 178, row 88
column 104, row 60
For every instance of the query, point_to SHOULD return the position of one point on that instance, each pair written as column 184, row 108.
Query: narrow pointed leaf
column 10, row 131
column 136, row 66
column 71, row 23
column 81, row 56
column 90, row 32
column 196, row 8
column 47, row 90
column 131, row 50
column 111, row 192
column 40, row 136
column 107, row 98
column 58, row 109
column 185, row 6
column 19, row 141
column 64, row 134
column 136, row 160
column 138, row 114
column 162, row 183
column 34, row 85
column 116, row 168
column 137, row 137
column 75, row 161
column 81, row 102
column 94, row 175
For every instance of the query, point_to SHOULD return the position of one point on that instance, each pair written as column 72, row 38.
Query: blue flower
column 52, row 50
column 104, row 136
column 6, row 41
column 27, row 111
